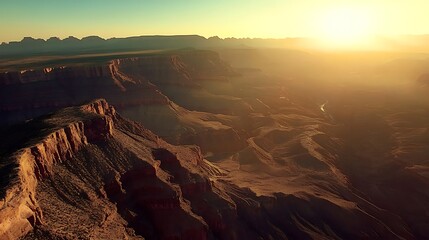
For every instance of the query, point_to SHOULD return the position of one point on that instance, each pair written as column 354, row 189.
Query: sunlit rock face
column 37, row 160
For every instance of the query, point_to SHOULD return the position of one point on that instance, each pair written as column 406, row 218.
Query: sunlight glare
column 345, row 27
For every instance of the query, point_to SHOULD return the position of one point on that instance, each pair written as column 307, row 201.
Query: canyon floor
column 215, row 144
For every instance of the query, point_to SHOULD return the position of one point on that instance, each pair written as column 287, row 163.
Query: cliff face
column 56, row 73
column 128, row 84
column 182, row 66
column 89, row 173
column 19, row 208
column 52, row 88
column 94, row 163
column 184, row 69
column 123, row 82
column 140, row 181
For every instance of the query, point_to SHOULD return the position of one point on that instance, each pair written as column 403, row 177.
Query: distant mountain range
column 29, row 46
column 95, row 44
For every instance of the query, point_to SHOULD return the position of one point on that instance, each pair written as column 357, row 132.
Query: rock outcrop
column 86, row 172
column 19, row 208
column 57, row 73
column 149, row 193
column 130, row 84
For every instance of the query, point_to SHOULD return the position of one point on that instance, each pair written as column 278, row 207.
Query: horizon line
column 197, row 35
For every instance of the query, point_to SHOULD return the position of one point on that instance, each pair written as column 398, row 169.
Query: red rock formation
column 19, row 208
column 20, row 211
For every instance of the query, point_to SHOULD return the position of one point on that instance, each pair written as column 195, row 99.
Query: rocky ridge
column 133, row 85
column 137, row 187
column 92, row 174
column 35, row 162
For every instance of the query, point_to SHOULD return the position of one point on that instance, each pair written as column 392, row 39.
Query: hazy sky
column 225, row 18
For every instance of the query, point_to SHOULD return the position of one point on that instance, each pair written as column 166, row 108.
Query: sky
column 223, row 18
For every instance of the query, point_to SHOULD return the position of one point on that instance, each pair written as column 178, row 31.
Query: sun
column 345, row 26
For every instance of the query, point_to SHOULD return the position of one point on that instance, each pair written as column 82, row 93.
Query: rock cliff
column 147, row 187
column 86, row 172
column 128, row 84
column 19, row 208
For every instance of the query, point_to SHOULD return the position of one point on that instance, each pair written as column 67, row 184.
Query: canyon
column 204, row 144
